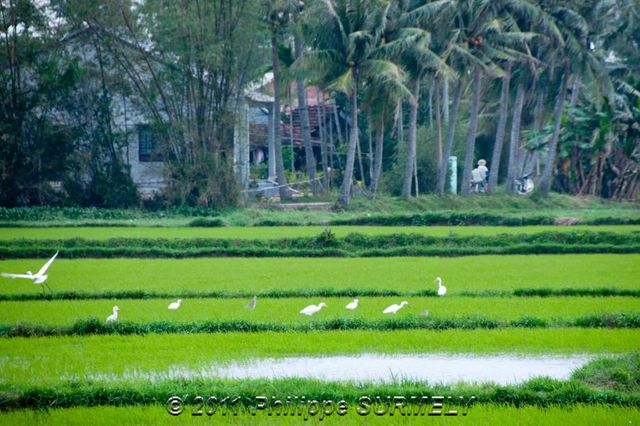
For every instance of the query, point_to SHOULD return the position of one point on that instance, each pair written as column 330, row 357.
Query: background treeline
column 546, row 87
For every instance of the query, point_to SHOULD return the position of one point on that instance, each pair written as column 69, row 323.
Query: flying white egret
column 312, row 309
column 442, row 290
column 394, row 308
column 252, row 303
column 38, row 278
column 114, row 315
column 351, row 306
column 175, row 305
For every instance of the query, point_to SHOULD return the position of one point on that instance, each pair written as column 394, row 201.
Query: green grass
column 285, row 311
column 481, row 415
column 476, row 273
column 276, row 232
column 619, row 373
column 553, row 206
column 51, row 360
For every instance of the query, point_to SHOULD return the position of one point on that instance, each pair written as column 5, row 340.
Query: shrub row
column 92, row 213
column 327, row 244
column 467, row 218
column 311, row 293
column 536, row 392
column 142, row 252
column 94, row 326
column 327, row 239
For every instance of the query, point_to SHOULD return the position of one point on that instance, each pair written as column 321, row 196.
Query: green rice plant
column 93, row 326
column 259, row 276
column 171, row 232
column 479, row 415
column 619, row 373
column 538, row 392
column 443, row 312
column 326, row 244
column 47, row 361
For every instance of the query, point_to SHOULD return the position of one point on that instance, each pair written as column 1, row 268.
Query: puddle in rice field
column 379, row 368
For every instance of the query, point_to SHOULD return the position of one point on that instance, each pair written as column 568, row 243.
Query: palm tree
column 345, row 39
column 410, row 43
column 310, row 160
column 500, row 128
column 571, row 53
column 275, row 18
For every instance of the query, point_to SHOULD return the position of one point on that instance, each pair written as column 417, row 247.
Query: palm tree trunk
column 282, row 177
column 515, row 138
column 377, row 169
column 451, row 130
column 291, row 142
column 370, row 139
column 445, row 100
column 438, row 122
column 347, row 181
column 310, row 160
column 502, row 125
column 411, row 141
column 470, row 145
column 400, row 125
column 324, row 150
column 547, row 173
column 533, row 159
column 360, row 166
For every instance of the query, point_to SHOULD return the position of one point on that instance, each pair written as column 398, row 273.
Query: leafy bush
column 206, row 222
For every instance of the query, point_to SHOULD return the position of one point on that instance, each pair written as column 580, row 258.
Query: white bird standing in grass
column 38, row 278
column 442, row 290
column 312, row 309
column 252, row 304
column 394, row 308
column 353, row 305
column 175, row 305
column 114, row 315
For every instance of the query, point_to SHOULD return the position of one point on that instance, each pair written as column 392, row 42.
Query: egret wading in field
column 252, row 303
column 175, row 305
column 312, row 309
column 39, row 278
column 353, row 305
column 442, row 290
column 394, row 308
column 114, row 315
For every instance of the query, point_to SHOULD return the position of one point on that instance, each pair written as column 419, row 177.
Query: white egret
column 114, row 315
column 394, row 308
column 252, row 303
column 175, row 305
column 353, row 305
column 312, row 309
column 424, row 313
column 442, row 290
column 38, row 278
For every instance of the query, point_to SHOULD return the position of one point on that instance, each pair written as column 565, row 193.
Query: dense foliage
column 541, row 87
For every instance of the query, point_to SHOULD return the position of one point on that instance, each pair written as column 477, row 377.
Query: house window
column 148, row 144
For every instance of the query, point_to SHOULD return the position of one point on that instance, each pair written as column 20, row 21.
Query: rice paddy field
column 62, row 363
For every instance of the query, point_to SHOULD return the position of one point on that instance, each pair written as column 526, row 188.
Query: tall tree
column 469, row 150
column 500, row 129
column 310, row 160
column 345, row 40
column 275, row 15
